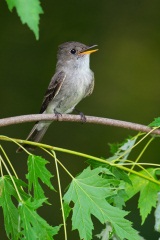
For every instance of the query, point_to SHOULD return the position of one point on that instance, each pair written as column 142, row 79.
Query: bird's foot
column 83, row 118
column 57, row 114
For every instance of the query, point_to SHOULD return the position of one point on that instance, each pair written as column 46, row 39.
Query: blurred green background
column 127, row 74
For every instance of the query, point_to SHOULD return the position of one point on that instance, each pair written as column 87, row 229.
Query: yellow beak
column 89, row 50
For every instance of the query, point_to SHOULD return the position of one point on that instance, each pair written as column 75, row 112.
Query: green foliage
column 37, row 170
column 155, row 123
column 21, row 219
column 29, row 12
column 88, row 192
column 148, row 191
column 33, row 226
column 10, row 211
column 157, row 215
column 101, row 190
column 122, row 151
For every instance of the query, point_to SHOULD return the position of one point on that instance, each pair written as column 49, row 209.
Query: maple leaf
column 88, row 192
column 37, row 170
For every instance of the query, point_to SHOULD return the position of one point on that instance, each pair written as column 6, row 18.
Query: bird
column 73, row 80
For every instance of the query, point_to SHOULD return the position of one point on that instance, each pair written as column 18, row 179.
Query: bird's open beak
column 89, row 50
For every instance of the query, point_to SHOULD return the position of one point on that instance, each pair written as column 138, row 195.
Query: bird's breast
column 79, row 81
column 74, row 88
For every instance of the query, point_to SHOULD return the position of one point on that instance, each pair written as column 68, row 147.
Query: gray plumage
column 73, row 80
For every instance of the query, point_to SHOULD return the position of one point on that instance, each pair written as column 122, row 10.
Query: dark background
column 127, row 75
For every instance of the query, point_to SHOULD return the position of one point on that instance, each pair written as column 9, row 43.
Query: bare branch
column 76, row 118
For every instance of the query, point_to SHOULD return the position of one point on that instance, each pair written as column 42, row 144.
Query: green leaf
column 67, row 210
column 96, row 164
column 33, row 226
column 155, row 123
column 10, row 211
column 110, row 170
column 147, row 189
column 88, row 192
column 157, row 215
column 29, row 12
column 116, row 178
column 114, row 147
column 120, row 174
column 123, row 149
column 107, row 234
column 118, row 199
column 37, row 170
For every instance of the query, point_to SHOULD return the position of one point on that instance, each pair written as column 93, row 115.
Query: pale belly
column 73, row 90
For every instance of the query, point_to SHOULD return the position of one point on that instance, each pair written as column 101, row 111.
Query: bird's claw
column 58, row 115
column 83, row 117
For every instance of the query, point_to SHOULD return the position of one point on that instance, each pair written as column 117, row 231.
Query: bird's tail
column 35, row 135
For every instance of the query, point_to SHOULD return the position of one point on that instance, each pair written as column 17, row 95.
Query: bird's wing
column 53, row 89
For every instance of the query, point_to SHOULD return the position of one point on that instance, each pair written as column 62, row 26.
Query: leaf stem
column 1, row 166
column 9, row 161
column 142, row 152
column 84, row 155
column 59, row 163
column 60, row 194
column 19, row 196
column 137, row 173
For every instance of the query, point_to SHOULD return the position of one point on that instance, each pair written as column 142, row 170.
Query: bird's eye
column 73, row 51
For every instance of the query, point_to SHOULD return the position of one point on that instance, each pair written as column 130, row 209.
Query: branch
column 76, row 118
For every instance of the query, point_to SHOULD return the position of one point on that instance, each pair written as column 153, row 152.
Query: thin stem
column 60, row 195
column 17, row 143
column 15, row 186
column 106, row 162
column 141, row 153
column 131, row 163
column 125, row 152
column 136, row 173
column 59, row 163
column 85, row 156
column 1, row 166
column 59, row 187
column 146, row 164
column 135, row 145
column 65, row 169
column 9, row 162
column 151, row 131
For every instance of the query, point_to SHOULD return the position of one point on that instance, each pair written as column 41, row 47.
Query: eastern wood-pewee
column 73, row 80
